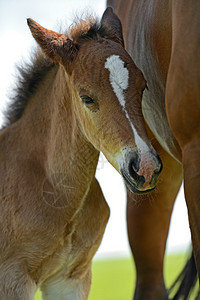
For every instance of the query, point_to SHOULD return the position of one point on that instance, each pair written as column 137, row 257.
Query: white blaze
column 119, row 77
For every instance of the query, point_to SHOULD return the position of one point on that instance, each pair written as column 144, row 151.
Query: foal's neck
column 68, row 158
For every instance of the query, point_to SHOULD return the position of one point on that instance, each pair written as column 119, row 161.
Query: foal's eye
column 87, row 100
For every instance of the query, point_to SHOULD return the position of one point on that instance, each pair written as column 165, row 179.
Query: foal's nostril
column 133, row 169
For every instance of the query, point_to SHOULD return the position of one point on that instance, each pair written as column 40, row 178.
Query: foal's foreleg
column 74, row 281
column 148, row 223
column 15, row 284
column 61, row 288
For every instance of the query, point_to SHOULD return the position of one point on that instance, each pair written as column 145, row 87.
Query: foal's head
column 107, row 93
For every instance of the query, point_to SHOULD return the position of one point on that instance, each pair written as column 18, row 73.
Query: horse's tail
column 185, row 282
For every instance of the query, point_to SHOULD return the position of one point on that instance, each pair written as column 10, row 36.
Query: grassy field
column 113, row 279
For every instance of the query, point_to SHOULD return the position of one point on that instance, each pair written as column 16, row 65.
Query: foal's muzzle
column 141, row 172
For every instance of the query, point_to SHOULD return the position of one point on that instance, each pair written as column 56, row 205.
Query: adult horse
column 69, row 106
column 162, row 37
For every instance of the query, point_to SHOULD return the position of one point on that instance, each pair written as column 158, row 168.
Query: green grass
column 114, row 279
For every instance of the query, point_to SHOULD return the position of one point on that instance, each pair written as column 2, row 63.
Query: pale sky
column 16, row 43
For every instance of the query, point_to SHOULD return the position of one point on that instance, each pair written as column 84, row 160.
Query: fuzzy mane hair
column 31, row 74
column 29, row 77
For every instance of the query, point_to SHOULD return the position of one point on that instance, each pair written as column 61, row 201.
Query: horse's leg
column 182, row 105
column 148, row 223
column 191, row 165
column 61, row 288
column 14, row 284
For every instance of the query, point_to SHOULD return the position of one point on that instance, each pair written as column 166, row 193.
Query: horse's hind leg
column 14, row 284
column 148, row 223
column 61, row 288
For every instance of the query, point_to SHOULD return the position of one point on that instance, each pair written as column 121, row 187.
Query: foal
column 83, row 98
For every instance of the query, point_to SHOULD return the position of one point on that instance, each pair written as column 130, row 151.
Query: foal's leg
column 67, row 289
column 14, row 284
column 148, row 223
column 90, row 225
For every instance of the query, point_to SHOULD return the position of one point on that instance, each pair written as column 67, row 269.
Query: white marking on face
column 119, row 77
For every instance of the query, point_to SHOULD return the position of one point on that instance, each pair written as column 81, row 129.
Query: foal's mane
column 31, row 74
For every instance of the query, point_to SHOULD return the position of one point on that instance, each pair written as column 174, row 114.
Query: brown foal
column 82, row 97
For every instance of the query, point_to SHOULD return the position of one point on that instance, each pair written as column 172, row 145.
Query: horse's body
column 162, row 37
column 52, row 211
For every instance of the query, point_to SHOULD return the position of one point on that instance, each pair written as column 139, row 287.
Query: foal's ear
column 56, row 46
column 113, row 24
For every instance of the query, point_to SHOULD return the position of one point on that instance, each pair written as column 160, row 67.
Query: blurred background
column 16, row 44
